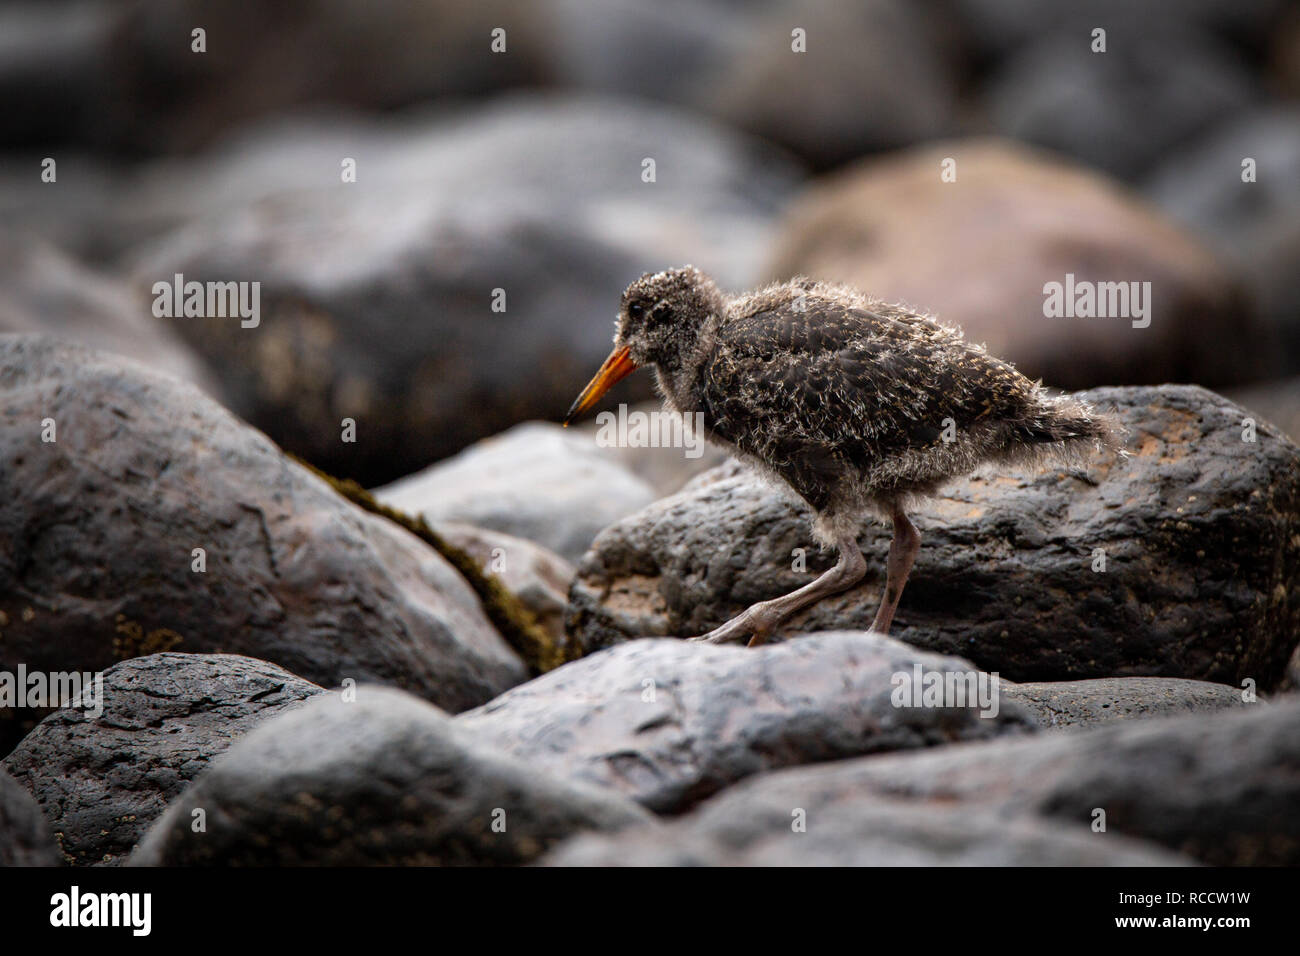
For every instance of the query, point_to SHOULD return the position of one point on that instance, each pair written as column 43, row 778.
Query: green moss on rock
column 516, row 623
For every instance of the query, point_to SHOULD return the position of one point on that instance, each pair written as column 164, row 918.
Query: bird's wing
column 835, row 383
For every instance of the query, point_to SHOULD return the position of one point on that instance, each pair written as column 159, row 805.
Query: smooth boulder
column 669, row 723
column 1220, row 789
column 157, row 521
column 469, row 278
column 980, row 250
column 383, row 779
column 534, row 481
column 763, row 831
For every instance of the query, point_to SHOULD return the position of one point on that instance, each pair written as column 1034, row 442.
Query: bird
column 858, row 406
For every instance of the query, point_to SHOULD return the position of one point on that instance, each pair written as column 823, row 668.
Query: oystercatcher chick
column 857, row 405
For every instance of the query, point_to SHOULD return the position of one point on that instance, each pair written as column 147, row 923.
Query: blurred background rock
column 522, row 171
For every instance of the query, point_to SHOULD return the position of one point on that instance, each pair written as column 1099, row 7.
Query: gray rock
column 665, row 469
column 102, row 780
column 1000, row 26
column 1122, row 110
column 44, row 291
column 1015, row 219
column 1218, row 788
column 1086, row 703
column 669, row 723
column 25, row 838
column 98, row 530
column 1197, row 529
column 122, row 76
column 385, row 779
column 1254, row 225
column 539, row 578
column 377, row 297
column 533, row 481
column 871, row 78
column 758, row 831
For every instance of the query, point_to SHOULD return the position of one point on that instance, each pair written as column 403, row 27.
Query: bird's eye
column 636, row 310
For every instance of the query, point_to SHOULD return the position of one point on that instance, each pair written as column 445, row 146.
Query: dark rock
column 44, row 291
column 1013, row 221
column 25, row 838
column 533, row 481
column 377, row 296
column 102, row 780
column 539, row 578
column 385, row 779
column 1219, row 788
column 98, row 529
column 1085, row 703
column 872, row 76
column 669, row 722
column 123, row 76
column 53, row 70
column 1197, row 527
column 1000, row 26
column 1122, row 110
column 1254, row 225
column 757, row 831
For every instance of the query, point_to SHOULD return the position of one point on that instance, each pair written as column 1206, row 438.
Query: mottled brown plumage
column 857, row 405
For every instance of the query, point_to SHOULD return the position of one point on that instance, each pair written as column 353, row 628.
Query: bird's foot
column 754, row 623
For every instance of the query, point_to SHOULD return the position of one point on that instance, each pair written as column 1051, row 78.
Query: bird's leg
column 902, row 552
column 760, row 619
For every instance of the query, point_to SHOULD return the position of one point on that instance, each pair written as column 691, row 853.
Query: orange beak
column 616, row 368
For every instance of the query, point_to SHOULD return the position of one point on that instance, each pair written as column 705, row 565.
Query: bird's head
column 659, row 322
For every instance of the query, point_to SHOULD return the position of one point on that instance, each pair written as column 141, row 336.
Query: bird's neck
column 679, row 379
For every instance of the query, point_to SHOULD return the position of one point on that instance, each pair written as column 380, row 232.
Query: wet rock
column 668, row 722
column 534, row 481
column 101, row 780
column 1218, row 788
column 1013, row 221
column 468, row 279
column 385, row 779
column 1085, row 703
column 25, row 838
column 539, row 578
column 1197, row 530
column 99, row 531
column 44, row 291
column 755, row 829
